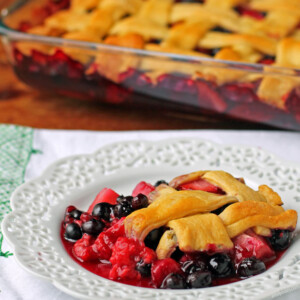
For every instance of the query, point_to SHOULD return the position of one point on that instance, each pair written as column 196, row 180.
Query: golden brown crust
column 188, row 29
column 286, row 220
column 271, row 196
column 195, row 233
column 130, row 40
column 241, row 210
column 230, row 185
column 194, row 228
column 167, row 244
column 216, row 39
column 170, row 206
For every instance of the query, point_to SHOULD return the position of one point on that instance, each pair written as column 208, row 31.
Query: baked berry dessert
column 248, row 32
column 202, row 229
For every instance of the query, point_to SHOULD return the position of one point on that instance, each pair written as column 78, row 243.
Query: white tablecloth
column 17, row 284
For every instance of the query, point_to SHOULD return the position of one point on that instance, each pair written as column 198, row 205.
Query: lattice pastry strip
column 292, row 6
column 209, row 232
column 80, row 6
column 186, row 35
column 274, row 88
column 167, row 207
column 194, row 234
column 217, row 39
column 230, row 185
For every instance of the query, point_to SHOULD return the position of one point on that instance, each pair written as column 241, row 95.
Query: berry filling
column 97, row 241
column 203, row 185
column 58, row 72
column 65, row 75
column 252, row 13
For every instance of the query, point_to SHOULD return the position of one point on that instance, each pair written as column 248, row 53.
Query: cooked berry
column 199, row 279
column 85, row 217
column 103, row 210
column 159, row 182
column 174, row 281
column 214, row 51
column 144, row 269
column 93, row 227
column 153, row 238
column 220, row 265
column 122, row 210
column 280, row 239
column 75, row 214
column 220, row 209
column 69, row 209
column 124, row 200
column 250, row 266
column 73, row 232
column 221, row 29
column 177, row 254
column 139, row 201
column 191, row 266
column 161, row 268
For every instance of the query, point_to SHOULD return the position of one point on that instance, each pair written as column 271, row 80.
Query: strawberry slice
column 143, row 188
column 105, row 195
column 202, row 185
column 163, row 267
column 252, row 13
column 249, row 244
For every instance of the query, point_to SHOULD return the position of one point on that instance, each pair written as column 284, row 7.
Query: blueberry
column 144, row 269
column 153, row 238
column 177, row 254
column 199, row 279
column 122, row 210
column 280, row 239
column 221, row 29
column 214, row 51
column 250, row 267
column 220, row 209
column 159, row 182
column 73, row 232
column 103, row 210
column 139, row 201
column 93, row 227
column 75, row 214
column 220, row 265
column 124, row 200
column 173, row 281
column 190, row 266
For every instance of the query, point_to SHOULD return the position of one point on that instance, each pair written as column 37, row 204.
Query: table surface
column 22, row 105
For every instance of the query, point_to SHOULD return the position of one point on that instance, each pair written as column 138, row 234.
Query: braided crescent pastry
column 195, row 233
column 194, row 228
column 171, row 205
column 231, row 186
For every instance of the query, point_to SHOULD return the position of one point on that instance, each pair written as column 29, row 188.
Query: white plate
column 38, row 208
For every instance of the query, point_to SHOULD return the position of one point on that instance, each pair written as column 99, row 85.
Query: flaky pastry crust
column 193, row 228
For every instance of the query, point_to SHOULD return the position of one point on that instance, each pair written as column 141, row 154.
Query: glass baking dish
column 124, row 76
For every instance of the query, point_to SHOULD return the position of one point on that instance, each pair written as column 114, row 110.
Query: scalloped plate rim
column 45, row 173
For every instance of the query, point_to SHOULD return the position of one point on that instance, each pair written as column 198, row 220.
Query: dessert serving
column 206, row 228
column 236, row 58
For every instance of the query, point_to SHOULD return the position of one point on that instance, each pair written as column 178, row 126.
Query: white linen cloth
column 17, row 284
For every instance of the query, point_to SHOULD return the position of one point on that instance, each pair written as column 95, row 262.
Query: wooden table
column 20, row 104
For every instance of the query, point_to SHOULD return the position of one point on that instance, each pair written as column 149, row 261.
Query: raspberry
column 126, row 256
column 162, row 268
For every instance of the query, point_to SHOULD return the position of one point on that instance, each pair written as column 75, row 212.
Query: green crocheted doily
column 15, row 151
